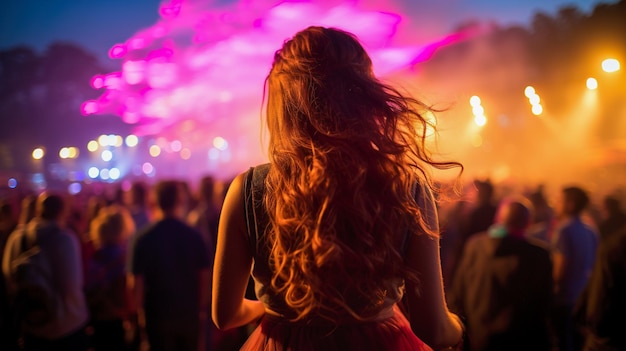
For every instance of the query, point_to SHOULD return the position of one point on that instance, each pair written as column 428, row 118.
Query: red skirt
column 277, row 334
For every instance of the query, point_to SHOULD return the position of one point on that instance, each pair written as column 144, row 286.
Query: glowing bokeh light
column 92, row 146
column 474, row 101
column 185, row 154
column 155, row 150
column 12, row 183
column 592, row 83
column 93, row 172
column 176, row 145
column 103, row 140
column 74, row 188
column 480, row 120
column 529, row 91
column 106, row 155
column 537, row 109
column 118, row 51
column 38, row 153
column 114, row 173
column 132, row 140
column 64, row 153
column 118, row 141
column 89, row 107
column 72, row 152
column 104, row 174
column 478, row 110
column 534, row 99
column 147, row 168
column 220, row 143
column 97, row 82
column 610, row 65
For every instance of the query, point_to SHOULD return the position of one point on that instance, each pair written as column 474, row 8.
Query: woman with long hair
column 341, row 225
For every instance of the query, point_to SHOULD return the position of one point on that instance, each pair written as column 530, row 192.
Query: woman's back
column 334, row 211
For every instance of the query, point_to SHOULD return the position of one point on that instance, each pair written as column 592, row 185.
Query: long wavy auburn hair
column 345, row 151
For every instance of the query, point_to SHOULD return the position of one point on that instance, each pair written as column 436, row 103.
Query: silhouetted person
column 479, row 218
column 574, row 246
column 503, row 285
column 614, row 219
column 65, row 331
column 170, row 273
column 543, row 218
column 205, row 216
column 8, row 333
column 604, row 302
column 137, row 203
column 105, row 281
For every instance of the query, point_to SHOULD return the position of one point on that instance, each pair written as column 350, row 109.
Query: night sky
column 97, row 25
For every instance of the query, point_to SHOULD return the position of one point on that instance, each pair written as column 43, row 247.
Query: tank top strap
column 256, row 216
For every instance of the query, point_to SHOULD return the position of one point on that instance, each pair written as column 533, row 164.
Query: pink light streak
column 207, row 64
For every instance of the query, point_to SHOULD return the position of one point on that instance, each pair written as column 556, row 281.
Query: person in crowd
column 483, row 214
column 65, row 328
column 170, row 276
column 479, row 217
column 205, row 216
column 504, row 285
column 614, row 217
column 27, row 210
column 105, row 282
column 342, row 220
column 543, row 218
column 602, row 306
column 574, row 244
column 8, row 223
column 137, row 203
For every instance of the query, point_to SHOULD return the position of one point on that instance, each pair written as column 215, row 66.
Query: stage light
column 64, row 153
column 480, row 120
column 92, row 145
column 176, row 145
column 93, row 172
column 474, row 101
column 73, row 152
column 104, row 174
column 103, row 140
column 12, row 183
column 537, row 109
column 478, row 110
column 529, row 91
column 610, row 65
column 155, row 150
column 114, row 173
column 38, row 153
column 106, row 155
column 592, row 83
column 220, row 143
column 147, row 168
column 74, row 188
column 185, row 154
column 132, row 140
column 534, row 99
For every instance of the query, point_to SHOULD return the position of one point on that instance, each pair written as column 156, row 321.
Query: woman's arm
column 233, row 261
column 430, row 318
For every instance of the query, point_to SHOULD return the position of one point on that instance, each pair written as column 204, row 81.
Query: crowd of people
column 499, row 257
column 341, row 242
